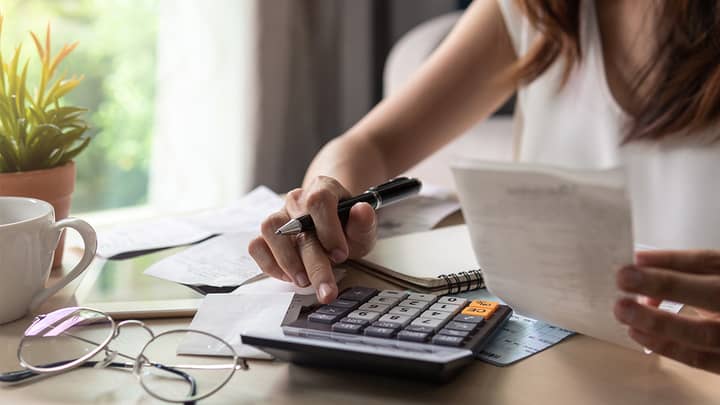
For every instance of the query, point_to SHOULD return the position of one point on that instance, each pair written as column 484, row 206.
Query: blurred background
column 193, row 103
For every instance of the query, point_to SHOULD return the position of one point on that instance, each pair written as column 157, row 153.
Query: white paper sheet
column 269, row 284
column 549, row 241
column 219, row 262
column 227, row 316
column 243, row 215
column 418, row 213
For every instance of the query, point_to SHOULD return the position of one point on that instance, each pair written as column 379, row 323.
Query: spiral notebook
column 439, row 261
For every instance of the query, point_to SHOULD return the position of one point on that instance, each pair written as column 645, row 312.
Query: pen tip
column 278, row 232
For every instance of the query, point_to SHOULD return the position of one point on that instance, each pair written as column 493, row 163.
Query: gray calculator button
column 409, row 311
column 418, row 328
column 445, row 308
column 427, row 322
column 382, row 308
column 379, row 332
column 365, row 315
column 452, row 300
column 346, row 328
column 331, row 310
column 446, row 340
column 464, row 326
column 401, row 320
column 439, row 315
column 322, row 318
column 469, row 319
column 421, row 305
column 361, row 322
column 389, row 325
column 422, row 297
column 411, row 336
column 385, row 300
column 452, row 332
column 393, row 293
column 358, row 294
column 340, row 303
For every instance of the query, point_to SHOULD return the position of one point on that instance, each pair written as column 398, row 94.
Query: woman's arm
column 463, row 82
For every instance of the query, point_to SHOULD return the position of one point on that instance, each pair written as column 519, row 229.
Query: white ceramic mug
column 28, row 236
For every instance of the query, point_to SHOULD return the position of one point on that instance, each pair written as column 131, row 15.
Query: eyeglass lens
column 168, row 382
column 64, row 336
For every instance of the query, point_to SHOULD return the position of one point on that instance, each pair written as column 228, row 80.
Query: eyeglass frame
column 238, row 363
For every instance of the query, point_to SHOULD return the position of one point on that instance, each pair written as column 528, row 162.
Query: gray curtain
column 320, row 65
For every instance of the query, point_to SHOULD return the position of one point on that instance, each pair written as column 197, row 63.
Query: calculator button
column 452, row 300
column 418, row 328
column 346, row 328
column 463, row 326
column 422, row 297
column 400, row 320
column 447, row 340
column 389, row 325
column 469, row 319
column 484, row 312
column 331, row 310
column 452, row 332
column 393, row 293
column 355, row 321
column 322, row 318
column 340, row 303
column 491, row 306
column 421, row 305
column 382, row 308
column 385, row 300
column 439, row 315
column 365, row 315
column 411, row 336
column 358, row 294
column 428, row 322
column 374, row 331
column 445, row 308
column 408, row 311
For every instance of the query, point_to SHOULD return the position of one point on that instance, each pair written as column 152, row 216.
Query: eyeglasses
column 77, row 337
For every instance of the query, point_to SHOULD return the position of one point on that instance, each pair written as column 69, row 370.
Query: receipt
column 244, row 215
column 219, row 262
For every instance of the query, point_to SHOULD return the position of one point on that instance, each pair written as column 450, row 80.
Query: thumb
column 361, row 230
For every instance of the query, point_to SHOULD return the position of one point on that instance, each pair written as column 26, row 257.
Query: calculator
column 415, row 335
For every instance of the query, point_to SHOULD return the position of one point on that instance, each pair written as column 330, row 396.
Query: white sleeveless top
column 674, row 185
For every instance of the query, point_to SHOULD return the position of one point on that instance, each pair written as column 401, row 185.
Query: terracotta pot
column 52, row 185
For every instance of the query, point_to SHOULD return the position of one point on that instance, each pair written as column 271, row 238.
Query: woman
column 599, row 84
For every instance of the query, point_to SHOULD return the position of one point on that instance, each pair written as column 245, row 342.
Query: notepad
column 438, row 261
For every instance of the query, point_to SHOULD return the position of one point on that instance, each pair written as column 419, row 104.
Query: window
column 117, row 56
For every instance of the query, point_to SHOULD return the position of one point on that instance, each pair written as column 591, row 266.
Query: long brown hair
column 683, row 94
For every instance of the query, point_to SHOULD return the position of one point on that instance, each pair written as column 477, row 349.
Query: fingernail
column 630, row 277
column 338, row 256
column 301, row 280
column 325, row 292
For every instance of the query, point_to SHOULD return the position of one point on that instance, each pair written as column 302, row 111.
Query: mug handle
column 89, row 240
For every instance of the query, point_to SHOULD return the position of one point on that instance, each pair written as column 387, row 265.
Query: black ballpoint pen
column 378, row 196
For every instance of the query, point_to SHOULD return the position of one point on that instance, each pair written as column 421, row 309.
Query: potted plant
column 39, row 135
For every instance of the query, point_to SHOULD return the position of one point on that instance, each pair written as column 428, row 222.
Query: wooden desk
column 580, row 370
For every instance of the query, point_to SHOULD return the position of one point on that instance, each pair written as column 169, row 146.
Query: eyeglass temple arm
column 22, row 375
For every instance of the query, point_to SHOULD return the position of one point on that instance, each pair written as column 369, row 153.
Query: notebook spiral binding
column 471, row 280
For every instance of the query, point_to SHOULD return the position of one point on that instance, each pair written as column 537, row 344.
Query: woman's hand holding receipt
column 329, row 227
column 688, row 277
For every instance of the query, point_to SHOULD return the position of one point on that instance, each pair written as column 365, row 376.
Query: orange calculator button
column 491, row 306
column 474, row 311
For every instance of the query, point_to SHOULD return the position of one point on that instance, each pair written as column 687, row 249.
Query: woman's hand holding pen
column 689, row 277
column 307, row 258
